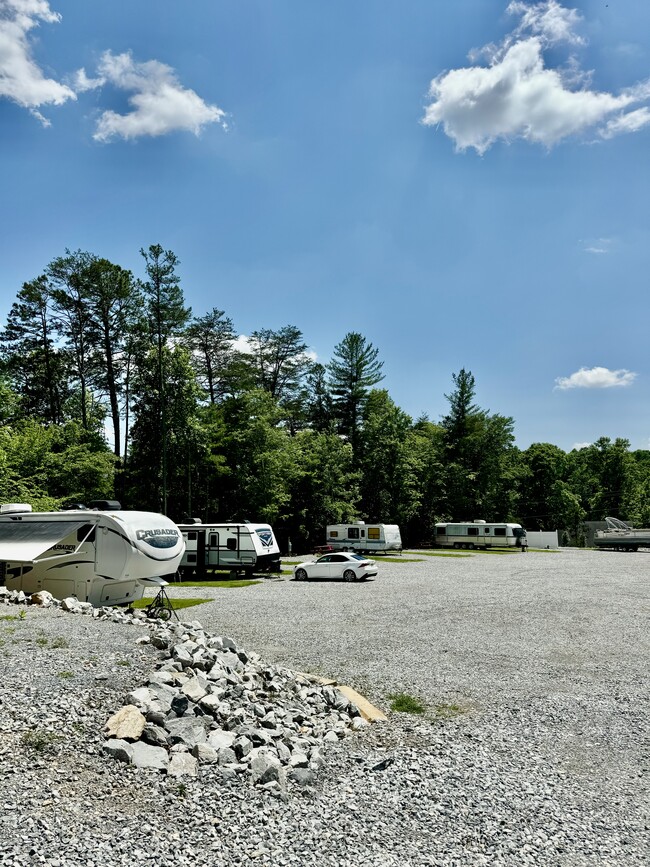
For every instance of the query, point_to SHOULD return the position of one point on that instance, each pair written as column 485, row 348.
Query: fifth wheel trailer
column 105, row 557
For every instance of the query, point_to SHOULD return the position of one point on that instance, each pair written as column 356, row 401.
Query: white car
column 349, row 567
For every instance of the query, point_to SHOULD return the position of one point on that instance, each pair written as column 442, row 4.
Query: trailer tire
column 301, row 575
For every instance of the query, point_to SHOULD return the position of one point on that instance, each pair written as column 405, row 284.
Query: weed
column 60, row 641
column 40, row 741
column 8, row 617
column 448, row 711
column 23, row 614
column 124, row 662
column 41, row 641
column 65, row 675
column 402, row 702
column 181, row 790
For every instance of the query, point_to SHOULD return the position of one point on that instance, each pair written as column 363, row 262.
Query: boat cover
column 24, row 541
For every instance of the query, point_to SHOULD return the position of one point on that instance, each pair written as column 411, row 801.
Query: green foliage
column 402, row 702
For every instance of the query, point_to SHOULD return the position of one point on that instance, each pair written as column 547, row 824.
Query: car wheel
column 349, row 575
column 301, row 575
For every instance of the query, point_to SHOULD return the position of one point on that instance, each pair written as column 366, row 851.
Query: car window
column 326, row 559
column 358, row 557
column 338, row 558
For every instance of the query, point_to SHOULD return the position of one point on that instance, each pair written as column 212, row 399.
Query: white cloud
column 21, row 79
column 596, row 377
column 160, row 104
column 579, row 446
column 599, row 247
column 517, row 96
column 549, row 20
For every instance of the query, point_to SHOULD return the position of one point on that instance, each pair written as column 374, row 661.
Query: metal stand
column 161, row 607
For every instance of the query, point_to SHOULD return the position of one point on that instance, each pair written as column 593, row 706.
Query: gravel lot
column 533, row 748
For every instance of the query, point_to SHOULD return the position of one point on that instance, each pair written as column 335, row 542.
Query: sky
column 464, row 183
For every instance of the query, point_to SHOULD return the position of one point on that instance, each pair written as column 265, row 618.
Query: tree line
column 201, row 426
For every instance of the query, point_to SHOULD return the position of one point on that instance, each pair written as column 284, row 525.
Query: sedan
column 349, row 567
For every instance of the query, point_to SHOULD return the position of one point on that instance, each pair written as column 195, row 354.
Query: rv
column 480, row 534
column 233, row 547
column 104, row 556
column 362, row 537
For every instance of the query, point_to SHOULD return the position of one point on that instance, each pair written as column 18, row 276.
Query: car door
column 338, row 566
column 322, row 567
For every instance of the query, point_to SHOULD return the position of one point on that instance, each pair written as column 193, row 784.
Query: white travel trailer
column 366, row 538
column 102, row 557
column 242, row 547
column 480, row 534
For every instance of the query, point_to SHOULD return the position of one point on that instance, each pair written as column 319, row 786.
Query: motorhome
column 480, row 534
column 362, row 537
column 105, row 556
column 236, row 547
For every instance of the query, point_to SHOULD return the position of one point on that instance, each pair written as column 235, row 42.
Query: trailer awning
column 23, row 542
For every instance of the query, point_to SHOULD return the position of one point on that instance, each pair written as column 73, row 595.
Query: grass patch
column 66, row 675
column 402, row 702
column 448, row 711
column 9, row 617
column 226, row 582
column 41, row 641
column 439, row 554
column 59, row 642
column 291, row 562
column 40, row 741
column 176, row 604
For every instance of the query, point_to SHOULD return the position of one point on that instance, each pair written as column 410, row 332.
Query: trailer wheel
column 457, row 545
column 301, row 575
column 471, row 546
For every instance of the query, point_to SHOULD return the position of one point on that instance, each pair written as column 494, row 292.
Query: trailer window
column 213, row 540
column 499, row 531
column 192, row 536
column 231, row 544
column 441, row 531
column 191, row 558
column 472, row 531
column 373, row 533
column 487, row 531
column 353, row 532
column 334, row 534
column 86, row 533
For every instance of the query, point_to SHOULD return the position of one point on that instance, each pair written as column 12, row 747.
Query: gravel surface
column 533, row 748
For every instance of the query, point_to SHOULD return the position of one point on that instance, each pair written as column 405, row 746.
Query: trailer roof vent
column 12, row 508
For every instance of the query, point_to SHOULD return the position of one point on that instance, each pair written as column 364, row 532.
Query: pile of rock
column 212, row 703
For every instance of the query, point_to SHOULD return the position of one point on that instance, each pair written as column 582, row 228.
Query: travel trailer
column 480, row 534
column 237, row 547
column 104, row 556
column 366, row 538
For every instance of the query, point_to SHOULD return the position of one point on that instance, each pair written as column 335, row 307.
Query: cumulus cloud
column 596, row 377
column 517, row 96
column 21, row 78
column 578, row 446
column 160, row 103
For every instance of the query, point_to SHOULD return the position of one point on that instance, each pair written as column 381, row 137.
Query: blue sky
column 465, row 183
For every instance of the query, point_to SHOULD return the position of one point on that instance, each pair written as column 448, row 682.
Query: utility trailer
column 237, row 547
column 619, row 536
column 480, row 534
column 364, row 538
column 103, row 555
